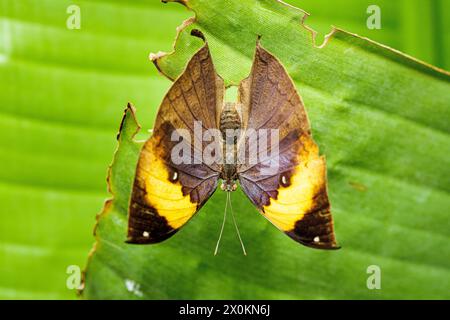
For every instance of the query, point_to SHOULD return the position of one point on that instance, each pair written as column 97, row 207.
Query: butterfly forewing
column 167, row 193
column 293, row 195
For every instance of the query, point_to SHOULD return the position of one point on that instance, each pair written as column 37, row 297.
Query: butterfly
column 292, row 195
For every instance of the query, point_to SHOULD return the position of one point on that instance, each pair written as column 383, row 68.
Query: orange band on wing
column 296, row 197
column 164, row 195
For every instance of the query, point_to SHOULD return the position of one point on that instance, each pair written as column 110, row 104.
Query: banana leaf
column 381, row 119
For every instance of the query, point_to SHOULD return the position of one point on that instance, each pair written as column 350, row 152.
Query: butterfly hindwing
column 293, row 197
column 166, row 194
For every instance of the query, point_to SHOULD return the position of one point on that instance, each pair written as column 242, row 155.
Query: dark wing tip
column 142, row 240
column 309, row 242
column 145, row 225
column 133, row 238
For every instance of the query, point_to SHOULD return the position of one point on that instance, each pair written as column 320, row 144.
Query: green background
column 62, row 93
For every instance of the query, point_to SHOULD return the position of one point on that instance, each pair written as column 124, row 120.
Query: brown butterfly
column 292, row 195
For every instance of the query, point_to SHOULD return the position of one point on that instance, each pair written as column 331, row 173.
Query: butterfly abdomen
column 230, row 125
column 229, row 119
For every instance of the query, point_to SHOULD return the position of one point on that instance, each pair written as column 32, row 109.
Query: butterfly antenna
column 235, row 225
column 223, row 225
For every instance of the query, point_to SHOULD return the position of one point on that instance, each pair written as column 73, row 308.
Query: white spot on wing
column 145, row 234
column 316, row 239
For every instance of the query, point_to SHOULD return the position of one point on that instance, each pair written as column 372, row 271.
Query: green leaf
column 61, row 96
column 381, row 119
column 416, row 27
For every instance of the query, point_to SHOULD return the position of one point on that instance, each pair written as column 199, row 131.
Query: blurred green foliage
column 62, row 93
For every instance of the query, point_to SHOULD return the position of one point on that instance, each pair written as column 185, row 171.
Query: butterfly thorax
column 230, row 125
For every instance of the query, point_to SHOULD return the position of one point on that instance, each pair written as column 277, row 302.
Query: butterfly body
column 169, row 189
column 230, row 128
